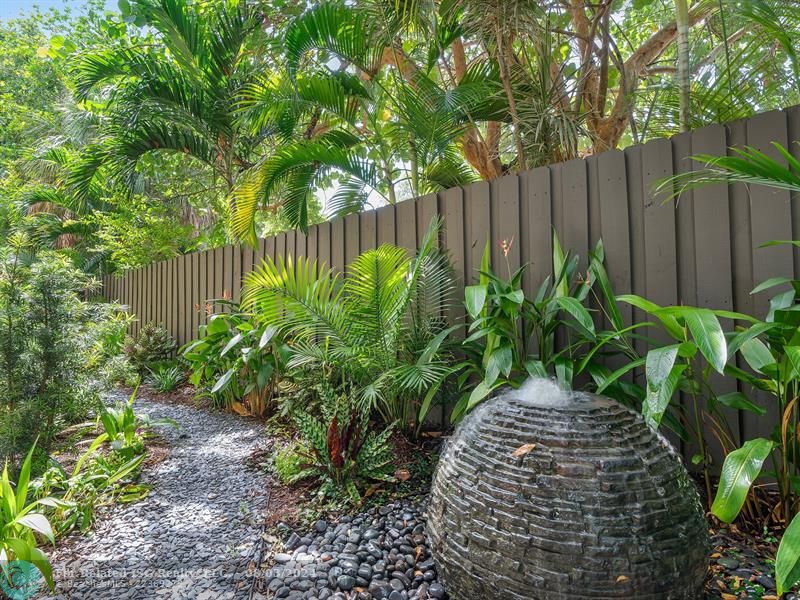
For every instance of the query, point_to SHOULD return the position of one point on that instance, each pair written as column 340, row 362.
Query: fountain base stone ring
column 546, row 495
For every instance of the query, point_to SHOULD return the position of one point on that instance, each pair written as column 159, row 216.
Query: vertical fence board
column 291, row 245
column 661, row 275
column 180, row 299
column 427, row 210
column 337, row 244
column 406, row 225
column 324, row 243
column 352, row 242
column 771, row 217
column 453, row 208
column 575, row 204
column 614, row 224
column 385, row 218
column 368, row 230
column 477, row 228
column 312, row 243
column 203, row 281
column 536, row 234
column 505, row 220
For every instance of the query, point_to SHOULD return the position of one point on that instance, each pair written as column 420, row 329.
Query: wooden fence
column 702, row 251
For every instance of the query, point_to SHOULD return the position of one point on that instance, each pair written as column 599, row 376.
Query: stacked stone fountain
column 547, row 495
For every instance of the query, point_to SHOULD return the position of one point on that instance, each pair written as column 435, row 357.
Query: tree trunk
column 684, row 84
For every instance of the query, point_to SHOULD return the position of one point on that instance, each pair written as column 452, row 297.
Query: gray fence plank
column 505, row 221
column 385, row 217
column 407, row 224
column 368, row 230
column 536, row 229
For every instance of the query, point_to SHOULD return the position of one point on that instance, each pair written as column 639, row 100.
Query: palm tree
column 383, row 327
column 172, row 90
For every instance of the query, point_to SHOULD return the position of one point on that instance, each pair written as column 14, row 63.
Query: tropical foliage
column 236, row 362
column 174, row 125
column 379, row 335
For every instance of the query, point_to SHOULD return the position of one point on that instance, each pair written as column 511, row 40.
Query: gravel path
column 193, row 536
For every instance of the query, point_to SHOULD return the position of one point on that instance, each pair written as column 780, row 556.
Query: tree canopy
column 177, row 124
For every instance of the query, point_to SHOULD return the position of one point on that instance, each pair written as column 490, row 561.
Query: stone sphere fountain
column 545, row 495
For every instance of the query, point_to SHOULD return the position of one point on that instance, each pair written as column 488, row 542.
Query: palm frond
column 341, row 30
column 746, row 165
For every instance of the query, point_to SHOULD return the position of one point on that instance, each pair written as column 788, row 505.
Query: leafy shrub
column 47, row 334
column 122, row 428
column 339, row 450
column 109, row 328
column 151, row 344
column 118, row 370
column 552, row 334
column 237, row 361
column 95, row 481
column 166, row 378
column 379, row 335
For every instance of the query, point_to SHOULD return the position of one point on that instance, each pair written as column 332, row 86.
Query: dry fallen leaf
column 728, row 596
column 716, row 555
column 621, row 579
column 402, row 474
column 240, row 409
column 523, row 450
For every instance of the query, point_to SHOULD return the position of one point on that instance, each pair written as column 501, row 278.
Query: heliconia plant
column 771, row 350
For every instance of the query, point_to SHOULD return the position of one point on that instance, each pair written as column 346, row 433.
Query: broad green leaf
column 232, row 343
column 564, row 370
column 222, row 381
column 657, row 400
column 757, row 355
column 217, row 324
column 741, row 337
column 601, row 276
column 787, row 561
column 651, row 308
column 739, row 401
column 619, row 373
column 562, row 289
column 770, row 283
column 708, row 335
column 500, row 361
column 659, row 365
column 479, row 393
column 38, row 523
column 23, row 479
column 739, row 471
column 535, row 368
column 793, row 354
column 264, row 374
column 579, row 313
column 475, row 299
column 515, row 296
column 266, row 337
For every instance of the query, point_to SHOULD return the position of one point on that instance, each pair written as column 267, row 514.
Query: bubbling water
column 545, row 393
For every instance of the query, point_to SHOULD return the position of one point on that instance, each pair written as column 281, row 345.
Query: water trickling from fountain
column 547, row 494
